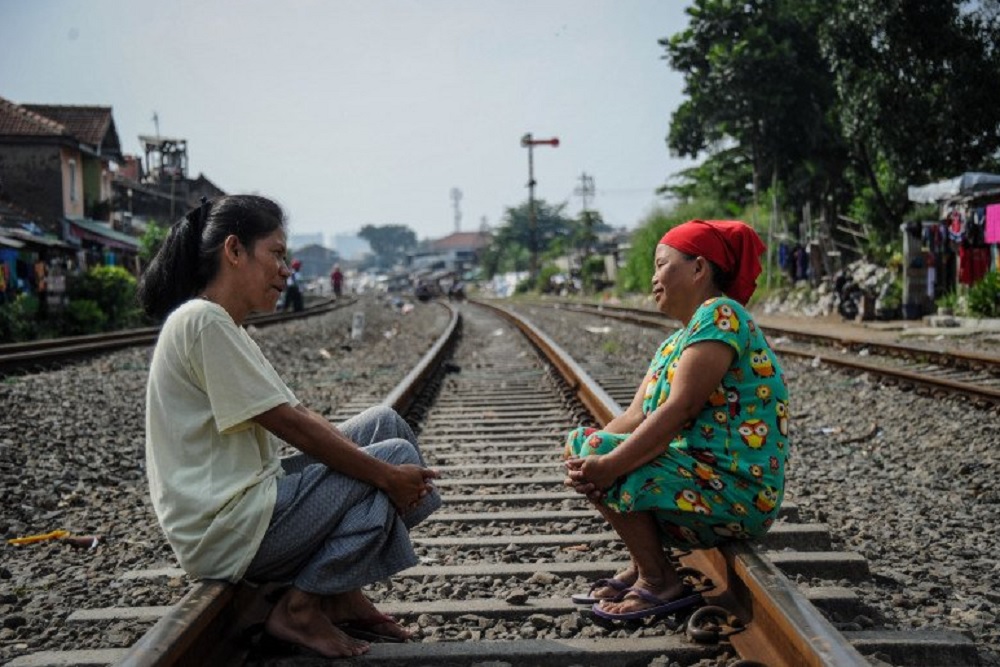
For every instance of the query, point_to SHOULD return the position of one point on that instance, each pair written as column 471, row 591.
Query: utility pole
column 456, row 197
column 585, row 190
column 528, row 142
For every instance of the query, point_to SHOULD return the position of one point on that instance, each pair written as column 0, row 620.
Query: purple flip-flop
column 588, row 598
column 658, row 606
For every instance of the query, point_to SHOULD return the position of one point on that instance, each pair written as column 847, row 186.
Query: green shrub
column 82, row 316
column 112, row 288
column 984, row 296
column 948, row 302
column 592, row 273
column 544, row 281
column 17, row 319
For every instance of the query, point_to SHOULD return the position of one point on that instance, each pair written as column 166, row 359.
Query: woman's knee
column 395, row 450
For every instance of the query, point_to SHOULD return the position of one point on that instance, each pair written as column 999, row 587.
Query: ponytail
column 189, row 257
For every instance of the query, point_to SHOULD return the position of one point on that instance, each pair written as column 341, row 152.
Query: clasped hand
column 589, row 476
column 412, row 484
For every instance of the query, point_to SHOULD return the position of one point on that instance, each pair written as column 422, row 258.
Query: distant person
column 328, row 521
column 41, row 274
column 698, row 457
column 293, row 288
column 336, row 280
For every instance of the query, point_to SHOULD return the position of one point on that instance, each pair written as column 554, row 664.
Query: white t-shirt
column 212, row 472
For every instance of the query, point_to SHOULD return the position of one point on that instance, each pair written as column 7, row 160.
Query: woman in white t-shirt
column 329, row 520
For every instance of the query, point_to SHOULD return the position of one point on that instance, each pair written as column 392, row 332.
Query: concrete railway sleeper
column 501, row 559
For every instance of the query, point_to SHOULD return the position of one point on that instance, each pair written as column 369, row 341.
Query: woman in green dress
column 699, row 456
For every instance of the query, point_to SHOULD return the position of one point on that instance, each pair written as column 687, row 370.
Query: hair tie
column 203, row 211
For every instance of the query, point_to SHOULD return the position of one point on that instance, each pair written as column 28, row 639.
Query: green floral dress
column 723, row 476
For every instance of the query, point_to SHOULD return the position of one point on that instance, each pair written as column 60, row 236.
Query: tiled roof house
column 55, row 161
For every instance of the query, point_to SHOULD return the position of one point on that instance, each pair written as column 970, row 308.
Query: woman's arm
column 699, row 372
column 632, row 416
column 316, row 437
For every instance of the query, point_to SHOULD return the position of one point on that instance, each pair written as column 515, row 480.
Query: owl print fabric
column 723, row 476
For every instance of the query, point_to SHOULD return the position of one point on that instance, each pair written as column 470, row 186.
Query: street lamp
column 530, row 143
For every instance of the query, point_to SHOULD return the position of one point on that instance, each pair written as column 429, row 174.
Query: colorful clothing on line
column 992, row 232
column 722, row 476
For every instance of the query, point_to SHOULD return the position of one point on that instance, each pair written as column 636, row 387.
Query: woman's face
column 671, row 269
column 265, row 273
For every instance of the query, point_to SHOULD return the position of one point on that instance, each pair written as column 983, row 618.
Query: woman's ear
column 700, row 265
column 232, row 249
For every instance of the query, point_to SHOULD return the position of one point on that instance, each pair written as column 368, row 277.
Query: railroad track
column 925, row 369
column 511, row 544
column 34, row 355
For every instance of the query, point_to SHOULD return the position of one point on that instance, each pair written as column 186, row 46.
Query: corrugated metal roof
column 112, row 238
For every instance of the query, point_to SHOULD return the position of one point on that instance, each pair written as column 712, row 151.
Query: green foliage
column 512, row 244
column 151, row 240
column 638, row 269
column 112, row 288
column 922, row 213
column 17, row 319
column 592, row 273
column 948, row 302
column 984, row 296
column 389, row 243
column 758, row 99
column 544, row 282
column 82, row 316
column 842, row 102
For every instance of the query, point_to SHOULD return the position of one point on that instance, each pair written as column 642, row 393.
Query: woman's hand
column 409, row 485
column 590, row 476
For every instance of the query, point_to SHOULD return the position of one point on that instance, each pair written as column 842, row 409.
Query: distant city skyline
column 340, row 114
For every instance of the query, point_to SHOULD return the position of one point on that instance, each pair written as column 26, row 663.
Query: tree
column 151, row 240
column 758, row 94
column 516, row 238
column 918, row 89
column 389, row 242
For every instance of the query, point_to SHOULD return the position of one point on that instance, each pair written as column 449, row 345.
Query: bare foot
column 298, row 618
column 354, row 607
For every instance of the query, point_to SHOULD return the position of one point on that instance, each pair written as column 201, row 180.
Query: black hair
column 189, row 257
column 720, row 278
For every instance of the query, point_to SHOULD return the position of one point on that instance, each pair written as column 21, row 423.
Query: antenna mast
column 456, row 197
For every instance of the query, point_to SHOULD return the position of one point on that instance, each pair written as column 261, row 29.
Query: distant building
column 317, row 261
column 58, row 162
column 157, row 187
column 456, row 252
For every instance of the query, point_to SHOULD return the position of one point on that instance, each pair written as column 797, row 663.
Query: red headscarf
column 731, row 245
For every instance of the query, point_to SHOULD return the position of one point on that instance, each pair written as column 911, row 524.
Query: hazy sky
column 354, row 112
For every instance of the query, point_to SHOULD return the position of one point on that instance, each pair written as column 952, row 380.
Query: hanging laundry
column 992, row 233
column 973, row 263
column 956, row 226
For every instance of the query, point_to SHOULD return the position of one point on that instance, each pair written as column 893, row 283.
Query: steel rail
column 944, row 356
column 982, row 394
column 782, row 628
column 17, row 356
column 204, row 628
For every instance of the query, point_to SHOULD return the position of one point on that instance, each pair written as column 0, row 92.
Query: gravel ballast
column 907, row 481
column 910, row 482
column 71, row 457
